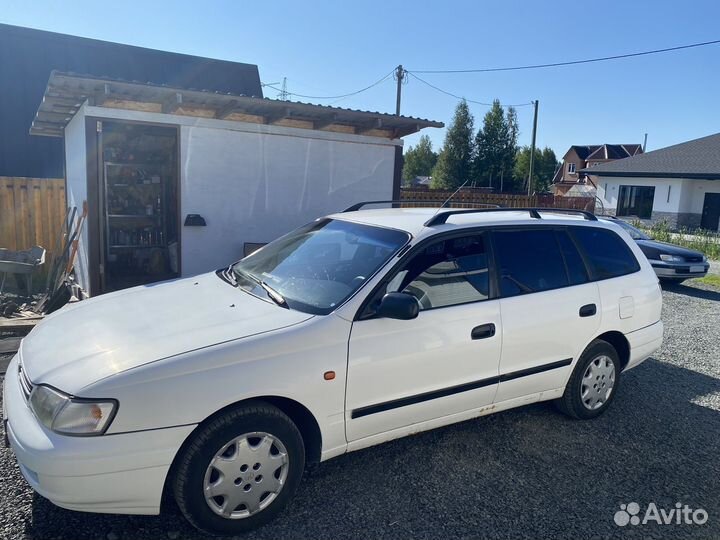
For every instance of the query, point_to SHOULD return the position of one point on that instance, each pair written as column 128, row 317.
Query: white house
column 181, row 181
column 679, row 184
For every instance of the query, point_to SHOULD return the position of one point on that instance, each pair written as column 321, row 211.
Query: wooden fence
column 470, row 197
column 31, row 212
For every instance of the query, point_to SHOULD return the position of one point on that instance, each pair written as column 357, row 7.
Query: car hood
column 96, row 338
column 655, row 247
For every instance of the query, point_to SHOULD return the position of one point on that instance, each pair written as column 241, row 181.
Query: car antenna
column 450, row 197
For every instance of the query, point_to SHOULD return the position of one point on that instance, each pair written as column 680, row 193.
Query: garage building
column 181, row 181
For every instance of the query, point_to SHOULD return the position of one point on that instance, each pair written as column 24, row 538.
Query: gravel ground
column 526, row 473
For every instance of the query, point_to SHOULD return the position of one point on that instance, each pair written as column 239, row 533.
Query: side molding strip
column 451, row 390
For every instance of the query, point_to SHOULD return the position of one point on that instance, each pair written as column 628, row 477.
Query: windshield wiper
column 228, row 275
column 272, row 293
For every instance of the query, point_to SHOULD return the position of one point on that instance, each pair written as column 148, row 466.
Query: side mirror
column 397, row 305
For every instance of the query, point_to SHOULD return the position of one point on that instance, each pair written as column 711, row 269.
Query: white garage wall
column 76, row 188
column 253, row 187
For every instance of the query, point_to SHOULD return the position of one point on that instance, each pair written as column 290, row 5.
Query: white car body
column 175, row 353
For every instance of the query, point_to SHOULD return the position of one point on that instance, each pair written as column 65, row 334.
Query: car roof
column 412, row 220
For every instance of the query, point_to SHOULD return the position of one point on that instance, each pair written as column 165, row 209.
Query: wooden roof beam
column 401, row 132
column 227, row 109
column 325, row 121
column 375, row 123
column 280, row 114
column 172, row 103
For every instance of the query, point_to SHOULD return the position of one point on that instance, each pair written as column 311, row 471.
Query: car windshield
column 636, row 234
column 316, row 267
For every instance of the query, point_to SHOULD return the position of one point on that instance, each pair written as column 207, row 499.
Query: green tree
column 454, row 164
column 546, row 164
column 419, row 160
column 496, row 146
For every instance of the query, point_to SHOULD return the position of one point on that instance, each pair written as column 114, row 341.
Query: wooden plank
column 31, row 211
column 4, row 363
column 10, row 345
column 38, row 216
column 8, row 232
column 21, row 325
column 21, row 210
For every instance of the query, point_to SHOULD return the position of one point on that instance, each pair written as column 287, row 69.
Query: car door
column 445, row 361
column 549, row 308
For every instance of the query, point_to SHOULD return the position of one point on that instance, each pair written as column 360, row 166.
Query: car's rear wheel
column 593, row 383
column 240, row 469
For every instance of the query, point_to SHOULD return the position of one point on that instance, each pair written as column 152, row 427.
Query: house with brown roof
column 679, row 184
column 582, row 157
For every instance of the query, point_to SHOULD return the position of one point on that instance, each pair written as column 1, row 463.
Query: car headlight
column 671, row 258
column 71, row 416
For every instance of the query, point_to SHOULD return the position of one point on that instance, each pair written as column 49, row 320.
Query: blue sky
column 331, row 48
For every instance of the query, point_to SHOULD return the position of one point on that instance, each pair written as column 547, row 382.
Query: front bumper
column 121, row 473
column 680, row 269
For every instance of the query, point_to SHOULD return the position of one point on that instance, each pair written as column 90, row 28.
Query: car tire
column 235, row 458
column 593, row 383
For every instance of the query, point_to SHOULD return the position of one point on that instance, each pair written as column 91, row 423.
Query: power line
column 386, row 77
column 412, row 74
column 569, row 63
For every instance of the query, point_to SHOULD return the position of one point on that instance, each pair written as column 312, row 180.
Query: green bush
column 706, row 242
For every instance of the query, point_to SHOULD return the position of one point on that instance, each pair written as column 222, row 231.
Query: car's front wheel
column 593, row 383
column 240, row 469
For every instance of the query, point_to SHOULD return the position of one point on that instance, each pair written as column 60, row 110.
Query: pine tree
column 455, row 160
column 419, row 160
column 496, row 146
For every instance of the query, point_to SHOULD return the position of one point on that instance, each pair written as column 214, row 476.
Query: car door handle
column 588, row 310
column 483, row 331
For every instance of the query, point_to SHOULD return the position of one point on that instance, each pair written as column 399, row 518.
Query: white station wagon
column 359, row 328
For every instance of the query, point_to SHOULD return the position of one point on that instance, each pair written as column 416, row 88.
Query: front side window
column 606, row 253
column 315, row 268
column 528, row 261
column 571, row 168
column 635, row 201
column 447, row 273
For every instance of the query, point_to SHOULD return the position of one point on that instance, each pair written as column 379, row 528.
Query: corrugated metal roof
column 699, row 158
column 66, row 92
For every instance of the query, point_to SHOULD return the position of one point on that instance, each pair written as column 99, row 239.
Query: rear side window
column 528, row 261
column 577, row 273
column 606, row 253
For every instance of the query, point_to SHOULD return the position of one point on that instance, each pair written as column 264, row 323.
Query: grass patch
column 710, row 279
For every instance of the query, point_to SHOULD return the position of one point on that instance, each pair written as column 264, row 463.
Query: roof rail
column 358, row 206
column 442, row 218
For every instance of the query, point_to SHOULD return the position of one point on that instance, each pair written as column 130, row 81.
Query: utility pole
column 400, row 76
column 532, row 149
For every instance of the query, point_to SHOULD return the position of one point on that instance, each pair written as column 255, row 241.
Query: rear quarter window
column 605, row 252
